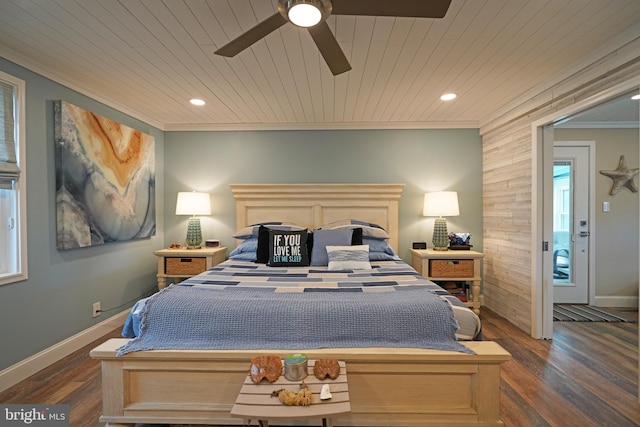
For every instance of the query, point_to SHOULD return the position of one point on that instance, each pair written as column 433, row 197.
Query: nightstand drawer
column 451, row 268
column 185, row 265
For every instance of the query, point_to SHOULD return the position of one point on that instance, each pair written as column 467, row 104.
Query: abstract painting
column 105, row 179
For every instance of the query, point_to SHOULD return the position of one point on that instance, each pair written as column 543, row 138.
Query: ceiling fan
column 312, row 14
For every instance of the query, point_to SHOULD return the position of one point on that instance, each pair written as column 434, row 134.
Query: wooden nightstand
column 185, row 263
column 451, row 266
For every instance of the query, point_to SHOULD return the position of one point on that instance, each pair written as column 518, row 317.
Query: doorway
column 543, row 158
column 572, row 221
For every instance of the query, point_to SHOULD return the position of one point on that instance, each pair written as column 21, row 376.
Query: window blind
column 9, row 170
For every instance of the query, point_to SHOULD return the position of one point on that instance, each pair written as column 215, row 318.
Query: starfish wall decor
column 622, row 177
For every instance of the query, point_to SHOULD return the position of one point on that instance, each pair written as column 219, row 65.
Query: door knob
column 584, row 234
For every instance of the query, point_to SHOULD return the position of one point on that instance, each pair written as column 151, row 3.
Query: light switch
column 606, row 207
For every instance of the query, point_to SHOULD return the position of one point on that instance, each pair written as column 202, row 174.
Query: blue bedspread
column 387, row 307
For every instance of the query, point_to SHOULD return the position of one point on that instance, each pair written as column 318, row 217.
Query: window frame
column 20, row 186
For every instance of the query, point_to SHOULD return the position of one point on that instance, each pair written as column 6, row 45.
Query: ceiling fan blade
column 329, row 48
column 405, row 8
column 248, row 38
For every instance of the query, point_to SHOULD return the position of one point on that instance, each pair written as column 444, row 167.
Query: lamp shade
column 192, row 203
column 441, row 203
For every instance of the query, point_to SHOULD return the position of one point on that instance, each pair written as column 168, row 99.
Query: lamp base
column 194, row 234
column 440, row 235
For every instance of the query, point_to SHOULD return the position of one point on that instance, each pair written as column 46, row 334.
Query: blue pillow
column 322, row 238
column 382, row 256
column 246, row 250
column 380, row 250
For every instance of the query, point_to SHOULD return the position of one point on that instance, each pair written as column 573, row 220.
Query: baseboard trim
column 615, row 301
column 29, row 366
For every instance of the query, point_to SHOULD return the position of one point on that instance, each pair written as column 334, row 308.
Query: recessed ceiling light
column 448, row 96
column 196, row 101
column 636, row 97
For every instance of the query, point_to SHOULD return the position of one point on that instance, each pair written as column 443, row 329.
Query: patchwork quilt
column 244, row 305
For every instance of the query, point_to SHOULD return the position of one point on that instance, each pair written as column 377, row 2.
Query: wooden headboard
column 313, row 205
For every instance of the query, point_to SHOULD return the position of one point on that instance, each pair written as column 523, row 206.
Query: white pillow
column 349, row 257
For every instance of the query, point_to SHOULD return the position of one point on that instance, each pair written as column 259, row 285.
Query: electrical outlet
column 96, row 309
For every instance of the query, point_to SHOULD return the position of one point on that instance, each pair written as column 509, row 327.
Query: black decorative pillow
column 356, row 237
column 262, row 251
column 288, row 248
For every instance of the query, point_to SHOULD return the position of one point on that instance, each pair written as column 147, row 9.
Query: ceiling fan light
column 305, row 14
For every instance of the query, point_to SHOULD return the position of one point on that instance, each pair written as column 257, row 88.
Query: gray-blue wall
column 55, row 302
column 424, row 160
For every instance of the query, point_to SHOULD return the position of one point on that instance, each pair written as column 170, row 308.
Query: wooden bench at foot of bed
column 388, row 386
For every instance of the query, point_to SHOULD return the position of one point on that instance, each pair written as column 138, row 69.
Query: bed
column 390, row 385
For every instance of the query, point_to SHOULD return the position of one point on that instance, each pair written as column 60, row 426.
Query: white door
column 571, row 223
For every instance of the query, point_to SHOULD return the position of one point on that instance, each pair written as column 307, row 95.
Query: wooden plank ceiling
column 147, row 58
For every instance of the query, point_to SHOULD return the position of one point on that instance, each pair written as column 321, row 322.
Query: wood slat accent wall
column 507, row 181
column 507, row 225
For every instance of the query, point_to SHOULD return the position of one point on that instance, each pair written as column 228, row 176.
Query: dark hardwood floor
column 586, row 376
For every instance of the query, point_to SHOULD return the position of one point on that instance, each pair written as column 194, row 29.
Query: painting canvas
column 105, row 179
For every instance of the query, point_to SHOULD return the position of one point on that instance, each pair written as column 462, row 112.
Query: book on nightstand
column 457, row 289
column 462, row 297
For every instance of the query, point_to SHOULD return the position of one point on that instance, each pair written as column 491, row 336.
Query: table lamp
column 441, row 204
column 192, row 203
